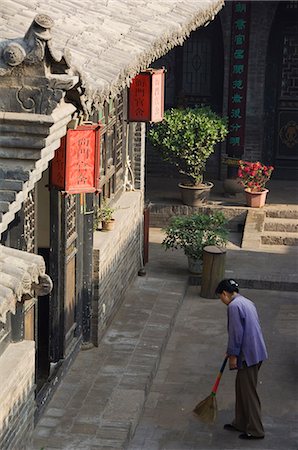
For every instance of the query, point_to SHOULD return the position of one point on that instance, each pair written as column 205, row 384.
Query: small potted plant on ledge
column 104, row 216
column 186, row 138
column 193, row 233
column 254, row 176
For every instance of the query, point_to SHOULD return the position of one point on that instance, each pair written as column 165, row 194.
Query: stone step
column 289, row 212
column 279, row 238
column 280, row 224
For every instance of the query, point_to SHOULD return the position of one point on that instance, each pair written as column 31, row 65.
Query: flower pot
column 108, row 225
column 195, row 265
column 256, row 199
column 195, row 195
column 232, row 186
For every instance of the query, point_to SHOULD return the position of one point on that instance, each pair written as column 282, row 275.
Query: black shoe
column 249, row 437
column 230, row 427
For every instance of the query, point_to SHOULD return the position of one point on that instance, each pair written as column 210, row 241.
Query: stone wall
column 17, row 371
column 161, row 214
column 116, row 260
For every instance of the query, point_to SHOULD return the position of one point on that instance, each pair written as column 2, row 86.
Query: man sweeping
column 246, row 351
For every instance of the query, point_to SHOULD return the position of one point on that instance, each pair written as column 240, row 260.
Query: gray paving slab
column 146, row 354
column 190, row 364
column 100, row 401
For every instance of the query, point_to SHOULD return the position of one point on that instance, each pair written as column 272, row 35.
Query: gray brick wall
column 117, row 259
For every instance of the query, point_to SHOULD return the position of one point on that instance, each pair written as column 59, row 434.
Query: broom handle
column 215, row 387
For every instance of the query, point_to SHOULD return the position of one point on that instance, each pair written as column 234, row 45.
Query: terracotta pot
column 108, row 225
column 195, row 195
column 256, row 199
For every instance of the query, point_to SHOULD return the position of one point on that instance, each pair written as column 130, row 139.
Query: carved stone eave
column 22, row 275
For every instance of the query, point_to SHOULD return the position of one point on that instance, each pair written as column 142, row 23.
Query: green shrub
column 192, row 233
column 187, row 137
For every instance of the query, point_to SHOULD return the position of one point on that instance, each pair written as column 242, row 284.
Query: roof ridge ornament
column 36, row 76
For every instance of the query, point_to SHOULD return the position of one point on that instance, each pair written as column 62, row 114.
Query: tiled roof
column 110, row 40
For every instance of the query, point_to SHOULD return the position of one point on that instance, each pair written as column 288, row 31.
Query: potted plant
column 232, row 184
column 192, row 233
column 254, row 176
column 186, row 138
column 104, row 216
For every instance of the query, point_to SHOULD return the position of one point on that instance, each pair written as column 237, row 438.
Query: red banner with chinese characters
column 146, row 97
column 238, row 77
column 75, row 167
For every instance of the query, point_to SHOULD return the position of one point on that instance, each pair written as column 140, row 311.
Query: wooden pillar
column 87, row 273
column 213, row 270
column 17, row 323
column 146, row 233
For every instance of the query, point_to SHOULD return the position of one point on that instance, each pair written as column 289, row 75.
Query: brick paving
column 102, row 398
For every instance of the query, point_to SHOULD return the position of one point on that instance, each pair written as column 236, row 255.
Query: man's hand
column 233, row 362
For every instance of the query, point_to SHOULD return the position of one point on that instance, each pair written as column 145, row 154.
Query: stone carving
column 44, row 286
column 39, row 100
column 35, row 77
column 14, row 54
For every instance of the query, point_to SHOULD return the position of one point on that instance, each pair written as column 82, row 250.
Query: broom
column 206, row 410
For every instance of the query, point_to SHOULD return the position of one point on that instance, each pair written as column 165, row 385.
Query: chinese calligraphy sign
column 146, row 97
column 238, row 77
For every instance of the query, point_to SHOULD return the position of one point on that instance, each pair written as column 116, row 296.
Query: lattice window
column 29, row 222
column 111, row 166
column 197, row 66
column 289, row 74
column 70, row 218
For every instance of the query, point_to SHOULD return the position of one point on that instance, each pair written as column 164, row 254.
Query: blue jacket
column 245, row 335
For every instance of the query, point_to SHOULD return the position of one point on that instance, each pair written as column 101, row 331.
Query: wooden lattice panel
column 70, row 218
column 29, row 222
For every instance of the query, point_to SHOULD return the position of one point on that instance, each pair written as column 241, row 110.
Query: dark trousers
column 248, row 406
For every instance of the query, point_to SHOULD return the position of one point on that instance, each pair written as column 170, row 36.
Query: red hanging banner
column 146, row 96
column 75, row 167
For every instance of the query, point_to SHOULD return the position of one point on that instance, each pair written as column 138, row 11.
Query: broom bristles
column 206, row 410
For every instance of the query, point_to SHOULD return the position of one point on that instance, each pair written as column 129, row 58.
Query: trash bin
column 214, row 259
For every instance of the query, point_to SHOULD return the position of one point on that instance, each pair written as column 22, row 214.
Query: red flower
column 254, row 175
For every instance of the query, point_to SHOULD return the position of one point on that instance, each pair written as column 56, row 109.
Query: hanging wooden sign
column 146, row 96
column 75, row 167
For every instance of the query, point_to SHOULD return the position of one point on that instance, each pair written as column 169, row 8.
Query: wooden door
column 281, row 96
column 63, row 266
column 286, row 138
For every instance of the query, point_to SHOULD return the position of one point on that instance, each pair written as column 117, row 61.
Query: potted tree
column 194, row 232
column 104, row 216
column 186, row 138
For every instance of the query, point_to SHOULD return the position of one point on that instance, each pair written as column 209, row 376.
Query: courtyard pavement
column 160, row 356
